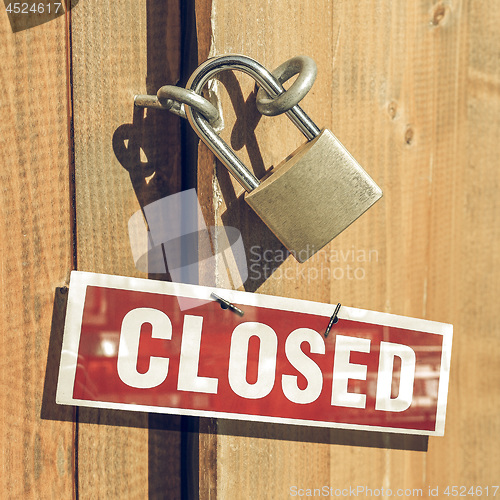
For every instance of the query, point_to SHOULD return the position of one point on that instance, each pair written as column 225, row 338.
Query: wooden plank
column 411, row 89
column 207, row 439
column 36, row 451
column 257, row 460
column 124, row 159
column 470, row 260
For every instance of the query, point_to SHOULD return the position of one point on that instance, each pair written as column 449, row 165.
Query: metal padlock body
column 310, row 197
column 313, row 195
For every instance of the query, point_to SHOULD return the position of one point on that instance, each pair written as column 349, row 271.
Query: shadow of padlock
column 170, row 234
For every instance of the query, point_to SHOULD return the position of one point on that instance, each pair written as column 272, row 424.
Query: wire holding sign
column 334, row 319
column 225, row 304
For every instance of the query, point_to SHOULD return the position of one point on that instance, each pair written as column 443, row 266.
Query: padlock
column 311, row 196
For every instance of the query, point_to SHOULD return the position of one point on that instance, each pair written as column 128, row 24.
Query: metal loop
column 176, row 97
column 307, row 70
column 173, row 99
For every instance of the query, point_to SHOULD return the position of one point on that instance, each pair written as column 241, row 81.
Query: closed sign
column 128, row 345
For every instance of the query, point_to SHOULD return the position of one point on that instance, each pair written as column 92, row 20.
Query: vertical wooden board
column 407, row 100
column 120, row 50
column 36, row 451
column 469, row 454
column 125, row 158
column 410, row 88
column 263, row 461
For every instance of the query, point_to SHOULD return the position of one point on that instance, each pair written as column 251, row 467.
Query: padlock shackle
column 266, row 80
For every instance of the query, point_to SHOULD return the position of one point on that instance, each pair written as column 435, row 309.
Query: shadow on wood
column 149, row 153
column 238, row 214
column 150, row 161
column 52, row 411
column 28, row 14
column 305, row 434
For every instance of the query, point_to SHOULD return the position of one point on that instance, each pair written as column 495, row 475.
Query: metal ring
column 307, row 70
column 174, row 98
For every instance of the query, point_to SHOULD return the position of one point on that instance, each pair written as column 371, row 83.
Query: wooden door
column 410, row 88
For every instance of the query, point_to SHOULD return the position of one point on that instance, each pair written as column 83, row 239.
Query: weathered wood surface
column 124, row 159
column 36, row 450
column 412, row 90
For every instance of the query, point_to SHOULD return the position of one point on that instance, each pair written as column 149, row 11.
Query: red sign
column 128, row 345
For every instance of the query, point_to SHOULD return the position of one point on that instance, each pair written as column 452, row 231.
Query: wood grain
column 36, row 453
column 412, row 90
column 124, row 160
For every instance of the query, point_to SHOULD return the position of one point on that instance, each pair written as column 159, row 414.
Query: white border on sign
column 73, row 324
